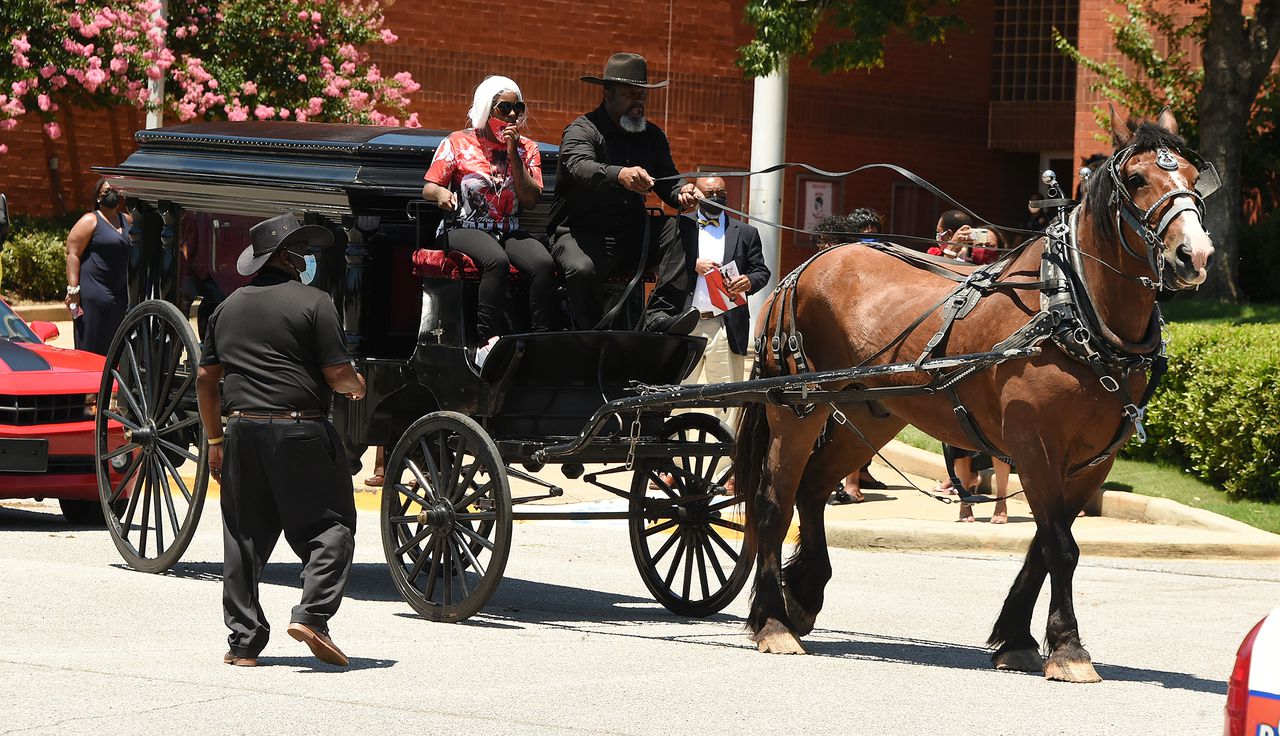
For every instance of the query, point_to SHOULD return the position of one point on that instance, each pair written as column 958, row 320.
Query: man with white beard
column 610, row 159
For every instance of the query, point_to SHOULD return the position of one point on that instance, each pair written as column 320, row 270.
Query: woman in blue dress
column 98, row 270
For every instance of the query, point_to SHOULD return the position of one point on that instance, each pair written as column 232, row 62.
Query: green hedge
column 35, row 258
column 1217, row 413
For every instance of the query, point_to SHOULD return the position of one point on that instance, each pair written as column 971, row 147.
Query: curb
column 1111, row 504
column 54, row 312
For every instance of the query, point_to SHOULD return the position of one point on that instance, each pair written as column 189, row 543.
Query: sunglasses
column 504, row 108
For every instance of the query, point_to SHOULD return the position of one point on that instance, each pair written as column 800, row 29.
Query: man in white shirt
column 713, row 241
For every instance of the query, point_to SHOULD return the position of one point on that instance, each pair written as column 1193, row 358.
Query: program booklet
column 717, row 299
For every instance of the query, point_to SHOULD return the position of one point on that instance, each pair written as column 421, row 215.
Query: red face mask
column 496, row 126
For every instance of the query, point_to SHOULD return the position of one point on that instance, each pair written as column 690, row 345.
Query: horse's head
column 1154, row 187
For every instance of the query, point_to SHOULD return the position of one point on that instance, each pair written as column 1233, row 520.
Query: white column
column 155, row 87
column 768, row 147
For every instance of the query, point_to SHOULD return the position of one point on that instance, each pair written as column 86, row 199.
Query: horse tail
column 749, row 449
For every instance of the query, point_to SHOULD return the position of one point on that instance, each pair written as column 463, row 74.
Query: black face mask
column 711, row 206
column 110, row 200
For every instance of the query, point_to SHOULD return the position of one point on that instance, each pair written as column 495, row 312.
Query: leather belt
column 270, row 414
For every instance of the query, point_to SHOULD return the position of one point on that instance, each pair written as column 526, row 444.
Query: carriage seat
column 457, row 266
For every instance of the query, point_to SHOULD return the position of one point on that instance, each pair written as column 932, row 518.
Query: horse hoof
column 803, row 621
column 775, row 638
column 1067, row 670
column 1019, row 660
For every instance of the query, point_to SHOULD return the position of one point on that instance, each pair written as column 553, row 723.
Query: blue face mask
column 307, row 273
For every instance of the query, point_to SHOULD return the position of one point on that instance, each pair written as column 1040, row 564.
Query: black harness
column 1067, row 315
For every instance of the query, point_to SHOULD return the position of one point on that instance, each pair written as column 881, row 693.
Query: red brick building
column 979, row 116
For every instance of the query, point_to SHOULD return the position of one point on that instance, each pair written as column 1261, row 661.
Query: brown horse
column 1138, row 227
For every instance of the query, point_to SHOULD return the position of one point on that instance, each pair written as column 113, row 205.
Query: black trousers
column 290, row 476
column 493, row 257
column 586, row 257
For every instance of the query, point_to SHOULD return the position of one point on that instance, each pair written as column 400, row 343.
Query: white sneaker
column 482, row 352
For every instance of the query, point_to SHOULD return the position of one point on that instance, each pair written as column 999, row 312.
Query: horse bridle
column 1139, row 220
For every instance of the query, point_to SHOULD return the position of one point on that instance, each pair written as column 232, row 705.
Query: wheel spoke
column 457, row 565
column 660, row 527
column 180, row 450
column 126, row 476
column 182, row 485
column 702, row 563
column 688, row 567
column 183, row 424
column 731, row 501
column 432, row 469
column 675, row 561
column 147, row 482
column 454, row 491
column 178, row 395
column 667, row 545
column 418, row 564
column 127, row 394
column 714, row 559
column 137, row 375
column 161, row 488
column 471, row 557
column 422, row 482
column 729, row 550
column 480, row 491
column 122, row 449
column 729, row 525
column 480, row 540
column 656, row 477
column 169, row 356
column 436, row 557
column 138, row 488
column 401, row 519
column 466, row 481
column 413, row 541
column 153, row 377
column 477, row 516
column 127, row 424
column 406, row 491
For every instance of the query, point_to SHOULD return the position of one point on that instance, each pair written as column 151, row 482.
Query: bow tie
column 708, row 223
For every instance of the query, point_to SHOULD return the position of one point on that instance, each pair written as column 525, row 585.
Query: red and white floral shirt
column 477, row 170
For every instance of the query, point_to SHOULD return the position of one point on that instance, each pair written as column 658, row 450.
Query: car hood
column 35, row 368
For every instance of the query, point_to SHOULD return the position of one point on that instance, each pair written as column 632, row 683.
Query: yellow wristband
column 216, row 440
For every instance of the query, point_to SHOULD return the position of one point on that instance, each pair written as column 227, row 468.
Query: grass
column 1160, row 481
column 1201, row 311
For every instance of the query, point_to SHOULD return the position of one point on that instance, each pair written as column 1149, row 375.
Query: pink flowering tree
column 220, row 59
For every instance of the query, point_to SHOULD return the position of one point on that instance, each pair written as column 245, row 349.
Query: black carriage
column 455, row 435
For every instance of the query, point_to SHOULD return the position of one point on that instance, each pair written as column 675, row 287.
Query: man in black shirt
column 610, row 159
column 281, row 348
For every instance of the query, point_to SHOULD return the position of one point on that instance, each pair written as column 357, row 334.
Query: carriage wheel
column 446, row 516
column 150, row 446
column 687, row 534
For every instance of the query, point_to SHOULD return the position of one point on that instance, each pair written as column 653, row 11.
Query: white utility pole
column 768, row 147
column 155, row 87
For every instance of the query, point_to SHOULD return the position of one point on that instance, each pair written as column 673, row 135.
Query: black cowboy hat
column 281, row 231
column 625, row 68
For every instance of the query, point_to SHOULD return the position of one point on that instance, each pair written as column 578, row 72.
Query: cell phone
column 980, row 235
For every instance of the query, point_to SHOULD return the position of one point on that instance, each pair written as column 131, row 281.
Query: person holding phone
column 487, row 174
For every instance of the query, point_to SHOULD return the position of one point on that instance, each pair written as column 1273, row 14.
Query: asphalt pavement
column 572, row 643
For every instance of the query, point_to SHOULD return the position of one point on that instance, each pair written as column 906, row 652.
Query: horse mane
column 1147, row 136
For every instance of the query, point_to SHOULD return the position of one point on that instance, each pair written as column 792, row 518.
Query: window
column 1027, row 67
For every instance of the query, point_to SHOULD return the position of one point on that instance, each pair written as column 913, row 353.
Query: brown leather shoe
column 231, row 659
column 320, row 643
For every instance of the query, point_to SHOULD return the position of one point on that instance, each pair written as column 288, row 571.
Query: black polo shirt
column 594, row 149
column 273, row 337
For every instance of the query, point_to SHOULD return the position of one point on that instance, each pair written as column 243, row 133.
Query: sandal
column 840, row 498
column 966, row 512
column 377, row 480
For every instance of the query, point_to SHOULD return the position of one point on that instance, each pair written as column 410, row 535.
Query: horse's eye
column 1136, row 181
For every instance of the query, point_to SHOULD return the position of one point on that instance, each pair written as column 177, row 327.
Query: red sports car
column 47, row 404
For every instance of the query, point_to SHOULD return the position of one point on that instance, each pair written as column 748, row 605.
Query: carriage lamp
column 120, row 462
column 90, row 405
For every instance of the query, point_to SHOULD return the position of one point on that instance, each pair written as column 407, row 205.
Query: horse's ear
column 1167, row 121
column 1120, row 133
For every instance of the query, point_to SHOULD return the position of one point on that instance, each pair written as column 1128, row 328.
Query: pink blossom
column 180, row 32
column 186, row 111
column 300, row 115
column 53, row 131
column 14, row 108
column 315, row 105
column 94, row 79
column 87, row 51
column 263, row 112
column 359, row 100
column 19, row 88
column 153, row 72
column 374, row 75
column 213, row 83
column 4, row 148
column 333, row 90
column 302, row 77
column 284, row 113
column 388, row 36
column 48, row 70
column 412, row 122
column 249, row 88
column 43, row 102
column 237, row 112
column 9, row 124
column 22, row 61
column 118, row 65
column 348, row 68
column 58, row 81
column 20, row 44
column 156, row 37
column 303, row 15
column 316, row 17
column 406, row 83
column 347, row 51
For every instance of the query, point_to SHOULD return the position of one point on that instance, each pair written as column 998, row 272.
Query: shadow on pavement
column 309, row 665
column 23, row 520
column 856, row 645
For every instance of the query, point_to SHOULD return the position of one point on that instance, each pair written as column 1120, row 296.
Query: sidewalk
column 1119, row 524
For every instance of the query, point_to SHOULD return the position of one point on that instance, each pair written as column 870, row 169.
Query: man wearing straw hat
column 610, row 159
